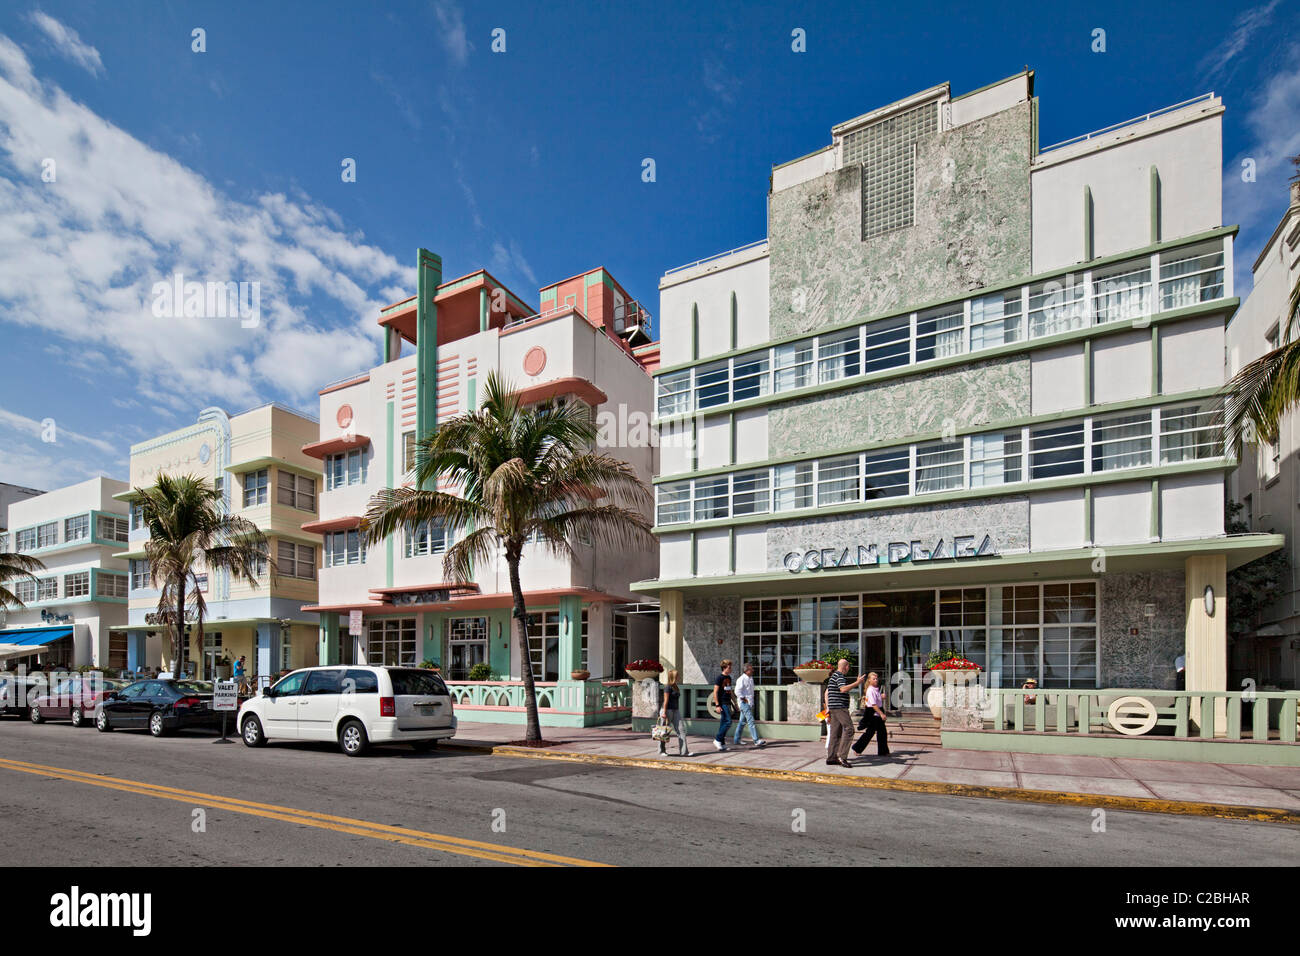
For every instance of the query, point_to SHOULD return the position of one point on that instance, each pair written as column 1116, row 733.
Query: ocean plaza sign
column 962, row 546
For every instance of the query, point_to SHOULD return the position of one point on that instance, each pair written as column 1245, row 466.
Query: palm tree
column 16, row 567
column 1265, row 389
column 521, row 472
column 189, row 532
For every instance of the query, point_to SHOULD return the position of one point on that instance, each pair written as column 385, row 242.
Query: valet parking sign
column 894, row 553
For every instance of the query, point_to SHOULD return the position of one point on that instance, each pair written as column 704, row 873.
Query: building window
column 711, row 498
column 392, row 642
column 347, row 468
column 201, row 583
column 940, row 466
column 1187, row 433
column 25, row 591
column 110, row 585
column 712, row 385
column 1121, row 442
column 296, row 560
column 750, row 377
column 994, row 459
column 47, row 589
column 1122, row 293
column 940, row 332
column 838, row 356
column 888, row 344
column 25, row 540
column 136, row 516
column 76, row 529
column 749, row 493
column 1056, row 451
column 296, row 491
column 886, row 474
column 618, row 647
column 255, row 488
column 110, row 528
column 1048, row 633
column 467, row 639
column 962, row 620
column 544, row 644
column 838, row 481
column 427, row 537
column 794, row 365
column 1190, row 278
column 408, row 451
column 1057, row 306
column 343, row 547
column 674, row 502
column 139, row 575
column 995, row 320
column 794, row 486
column 674, row 393
column 76, row 584
column 47, row 535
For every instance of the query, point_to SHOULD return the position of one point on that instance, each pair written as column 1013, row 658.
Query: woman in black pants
column 873, row 718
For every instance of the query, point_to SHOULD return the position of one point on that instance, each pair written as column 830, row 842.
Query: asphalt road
column 126, row 798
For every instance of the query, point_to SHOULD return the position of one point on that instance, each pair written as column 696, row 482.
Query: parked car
column 159, row 704
column 75, row 699
column 17, row 691
column 357, row 706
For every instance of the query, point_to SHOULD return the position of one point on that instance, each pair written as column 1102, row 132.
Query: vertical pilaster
column 570, row 635
column 670, row 631
column 1206, row 640
column 428, row 278
column 329, row 638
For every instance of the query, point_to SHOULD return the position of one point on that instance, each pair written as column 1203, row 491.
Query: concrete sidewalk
column 1132, row 783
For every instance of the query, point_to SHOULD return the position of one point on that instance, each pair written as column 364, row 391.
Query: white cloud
column 1249, row 22
column 508, row 259
column 121, row 216
column 451, row 31
column 67, row 42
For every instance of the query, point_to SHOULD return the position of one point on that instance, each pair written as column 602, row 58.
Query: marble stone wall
column 706, row 622
column 1006, row 519
column 972, row 229
column 963, row 397
column 1144, row 659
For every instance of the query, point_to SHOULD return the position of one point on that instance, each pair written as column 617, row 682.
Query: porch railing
column 1137, row 712
column 569, row 696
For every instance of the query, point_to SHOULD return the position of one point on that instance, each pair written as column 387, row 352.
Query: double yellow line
column 494, row 852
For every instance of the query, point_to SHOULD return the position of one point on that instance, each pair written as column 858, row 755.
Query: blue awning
column 33, row 635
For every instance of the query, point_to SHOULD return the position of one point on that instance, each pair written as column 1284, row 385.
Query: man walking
column 839, row 726
column 745, row 697
column 721, row 698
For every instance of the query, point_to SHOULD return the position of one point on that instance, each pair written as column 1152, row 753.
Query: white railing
column 720, row 255
column 1130, row 122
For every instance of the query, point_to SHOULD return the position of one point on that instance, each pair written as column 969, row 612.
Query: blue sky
column 226, row 164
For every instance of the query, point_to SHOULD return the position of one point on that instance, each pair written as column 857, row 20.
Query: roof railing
column 556, row 310
column 720, row 255
column 1130, row 122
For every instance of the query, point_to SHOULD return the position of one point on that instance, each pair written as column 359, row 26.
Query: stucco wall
column 1144, row 659
column 706, row 621
column 972, row 229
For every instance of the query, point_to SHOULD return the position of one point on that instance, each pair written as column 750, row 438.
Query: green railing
column 769, row 702
column 566, row 696
column 1180, row 714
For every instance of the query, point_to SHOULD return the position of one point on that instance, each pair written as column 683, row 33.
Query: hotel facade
column 390, row 603
column 959, row 398
column 255, row 460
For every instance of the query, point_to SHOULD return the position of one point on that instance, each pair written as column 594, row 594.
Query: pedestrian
column 1180, row 672
column 745, row 697
column 873, row 718
column 671, row 714
column 721, row 698
column 839, row 726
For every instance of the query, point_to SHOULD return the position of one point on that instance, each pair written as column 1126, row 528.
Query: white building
column 82, row 592
column 461, row 331
column 957, row 399
column 1267, row 483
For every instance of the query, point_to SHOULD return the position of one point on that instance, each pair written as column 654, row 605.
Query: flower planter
column 579, row 675
column 813, row 675
column 641, row 675
column 934, row 694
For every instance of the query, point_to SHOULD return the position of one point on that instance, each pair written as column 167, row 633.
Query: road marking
column 379, row 831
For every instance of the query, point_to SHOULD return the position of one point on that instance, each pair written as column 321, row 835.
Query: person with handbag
column 670, row 715
column 873, row 718
column 721, row 698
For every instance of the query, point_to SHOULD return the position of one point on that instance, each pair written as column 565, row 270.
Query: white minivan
column 356, row 705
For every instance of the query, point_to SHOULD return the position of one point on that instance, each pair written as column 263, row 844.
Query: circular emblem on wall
column 1132, row 716
column 535, row 360
column 344, row 416
column 204, row 453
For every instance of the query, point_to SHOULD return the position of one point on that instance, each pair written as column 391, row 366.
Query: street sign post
column 225, row 698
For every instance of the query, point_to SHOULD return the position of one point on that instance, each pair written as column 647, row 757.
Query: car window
column 155, row 688
column 67, row 688
column 417, row 682
column 290, row 685
column 193, row 686
column 134, row 691
column 323, row 682
column 357, row 681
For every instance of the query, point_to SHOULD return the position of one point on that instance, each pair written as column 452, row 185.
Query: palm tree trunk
column 177, row 657
column 534, row 731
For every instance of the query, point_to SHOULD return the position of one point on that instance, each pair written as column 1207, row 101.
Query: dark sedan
column 158, row 705
column 75, row 699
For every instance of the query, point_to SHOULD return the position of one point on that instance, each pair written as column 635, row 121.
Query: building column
column 1206, row 638
column 329, row 638
column 268, row 651
column 570, row 635
column 135, row 650
column 671, row 630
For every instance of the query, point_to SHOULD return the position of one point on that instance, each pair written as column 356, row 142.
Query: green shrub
column 833, row 657
column 480, row 671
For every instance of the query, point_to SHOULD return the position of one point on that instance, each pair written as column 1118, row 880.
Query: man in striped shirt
column 839, row 728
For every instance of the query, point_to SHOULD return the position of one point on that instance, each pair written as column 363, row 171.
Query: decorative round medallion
column 1132, row 716
column 204, row 453
column 535, row 360
column 344, row 416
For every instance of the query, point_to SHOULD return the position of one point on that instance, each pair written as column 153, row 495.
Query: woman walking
column 671, row 714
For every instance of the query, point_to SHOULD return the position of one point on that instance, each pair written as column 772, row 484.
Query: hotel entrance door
column 908, row 653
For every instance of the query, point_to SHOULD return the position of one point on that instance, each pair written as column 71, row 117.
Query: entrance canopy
column 26, row 641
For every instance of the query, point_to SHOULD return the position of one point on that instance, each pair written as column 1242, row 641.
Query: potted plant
column 951, row 667
column 579, row 674
column 644, row 669
column 837, row 654
column 480, row 671
column 813, row 672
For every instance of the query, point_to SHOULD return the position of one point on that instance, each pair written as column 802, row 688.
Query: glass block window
column 886, row 150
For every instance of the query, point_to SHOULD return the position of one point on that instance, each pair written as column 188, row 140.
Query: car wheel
column 252, row 732
column 77, row 717
column 156, row 725
column 424, row 746
column 352, row 738
column 101, row 723
column 35, row 715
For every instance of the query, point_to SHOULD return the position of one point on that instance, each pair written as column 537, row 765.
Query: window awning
column 332, row 446
column 28, row 636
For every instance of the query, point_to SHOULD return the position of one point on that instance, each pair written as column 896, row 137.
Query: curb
column 1062, row 798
